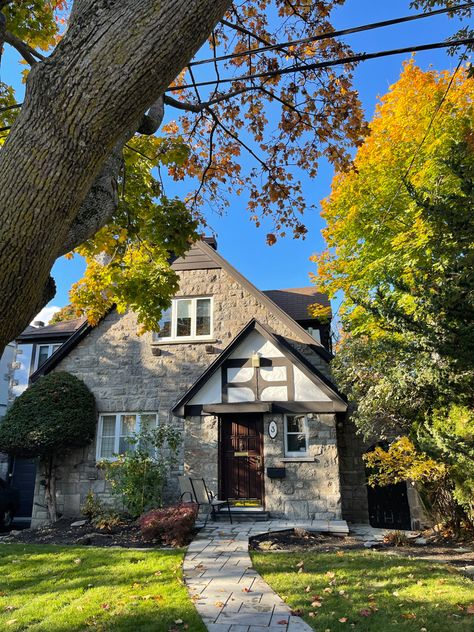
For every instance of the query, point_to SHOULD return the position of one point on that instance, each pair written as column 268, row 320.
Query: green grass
column 59, row 589
column 375, row 592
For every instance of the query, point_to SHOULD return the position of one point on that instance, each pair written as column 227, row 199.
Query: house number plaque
column 272, row 429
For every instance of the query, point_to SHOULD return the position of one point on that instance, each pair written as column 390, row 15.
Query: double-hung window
column 43, row 352
column 117, row 429
column 187, row 319
column 296, row 435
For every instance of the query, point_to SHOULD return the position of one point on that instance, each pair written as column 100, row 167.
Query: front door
column 22, row 477
column 241, row 455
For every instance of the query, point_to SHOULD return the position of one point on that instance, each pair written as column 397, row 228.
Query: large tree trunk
column 116, row 59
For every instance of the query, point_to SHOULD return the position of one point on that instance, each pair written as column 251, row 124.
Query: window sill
column 298, row 459
column 184, row 341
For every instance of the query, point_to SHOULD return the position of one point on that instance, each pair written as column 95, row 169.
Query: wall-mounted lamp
column 255, row 360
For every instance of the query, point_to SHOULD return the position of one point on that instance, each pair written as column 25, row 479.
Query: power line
column 327, row 64
column 332, row 34
column 425, row 136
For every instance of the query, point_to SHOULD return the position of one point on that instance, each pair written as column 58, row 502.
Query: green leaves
column 54, row 414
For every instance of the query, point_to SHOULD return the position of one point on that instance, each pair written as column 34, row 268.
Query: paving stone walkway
column 228, row 593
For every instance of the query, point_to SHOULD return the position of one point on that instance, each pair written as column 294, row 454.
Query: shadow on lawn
column 371, row 590
column 75, row 589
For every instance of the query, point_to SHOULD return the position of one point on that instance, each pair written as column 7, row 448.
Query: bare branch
column 199, row 107
column 29, row 54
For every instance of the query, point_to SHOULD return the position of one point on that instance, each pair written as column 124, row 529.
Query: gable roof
column 61, row 330
column 286, row 349
column 80, row 333
column 210, row 254
column 295, row 301
column 204, row 256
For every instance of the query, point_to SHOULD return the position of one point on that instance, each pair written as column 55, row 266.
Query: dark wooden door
column 22, row 477
column 388, row 507
column 241, row 454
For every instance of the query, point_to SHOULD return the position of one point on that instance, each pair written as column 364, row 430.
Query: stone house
column 245, row 376
column 21, row 358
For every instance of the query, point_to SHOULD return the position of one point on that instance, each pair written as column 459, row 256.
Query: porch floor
column 228, row 593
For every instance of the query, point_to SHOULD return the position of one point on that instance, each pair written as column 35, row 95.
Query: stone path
column 228, row 593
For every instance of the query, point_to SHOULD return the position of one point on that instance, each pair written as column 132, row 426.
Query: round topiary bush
column 55, row 414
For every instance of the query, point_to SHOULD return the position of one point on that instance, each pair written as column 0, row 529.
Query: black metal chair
column 197, row 491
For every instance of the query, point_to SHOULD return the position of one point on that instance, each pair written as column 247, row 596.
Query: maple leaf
column 365, row 612
column 343, row 620
column 470, row 609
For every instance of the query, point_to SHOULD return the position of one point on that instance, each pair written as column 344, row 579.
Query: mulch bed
column 300, row 540
column 61, row 532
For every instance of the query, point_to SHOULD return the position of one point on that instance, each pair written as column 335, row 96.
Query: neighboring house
column 244, row 374
column 21, row 359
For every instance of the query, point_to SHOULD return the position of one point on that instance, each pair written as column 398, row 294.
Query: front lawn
column 68, row 589
column 370, row 592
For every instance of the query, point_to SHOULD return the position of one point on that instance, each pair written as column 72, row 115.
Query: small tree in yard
column 138, row 476
column 54, row 415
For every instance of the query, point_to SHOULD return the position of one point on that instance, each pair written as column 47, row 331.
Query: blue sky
column 287, row 264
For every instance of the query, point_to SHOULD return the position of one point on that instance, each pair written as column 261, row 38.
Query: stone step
column 243, row 516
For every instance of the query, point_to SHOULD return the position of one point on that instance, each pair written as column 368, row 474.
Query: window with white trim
column 43, row 352
column 187, row 319
column 296, row 435
column 117, row 429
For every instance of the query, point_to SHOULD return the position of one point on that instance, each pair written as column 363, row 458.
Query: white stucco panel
column 256, row 343
column 210, row 392
column 273, row 373
column 305, row 390
column 243, row 374
column 274, row 394
column 240, row 394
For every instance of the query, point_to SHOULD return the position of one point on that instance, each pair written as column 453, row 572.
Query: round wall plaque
column 272, row 429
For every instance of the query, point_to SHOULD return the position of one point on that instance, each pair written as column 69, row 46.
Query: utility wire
column 327, row 64
column 332, row 34
column 425, row 136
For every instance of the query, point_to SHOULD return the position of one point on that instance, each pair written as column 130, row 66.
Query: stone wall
column 352, row 471
column 125, row 374
column 310, row 488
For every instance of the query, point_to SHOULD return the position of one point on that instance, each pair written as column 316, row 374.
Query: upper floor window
column 187, row 318
column 296, row 435
column 43, row 352
column 116, row 429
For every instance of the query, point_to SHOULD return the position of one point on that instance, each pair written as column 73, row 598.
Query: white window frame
column 51, row 350
column 174, row 320
column 118, row 416
column 292, row 454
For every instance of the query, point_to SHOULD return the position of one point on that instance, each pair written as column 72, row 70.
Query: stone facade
column 131, row 373
column 352, row 472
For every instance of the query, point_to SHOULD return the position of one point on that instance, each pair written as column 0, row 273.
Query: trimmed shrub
column 52, row 417
column 172, row 525
column 56, row 413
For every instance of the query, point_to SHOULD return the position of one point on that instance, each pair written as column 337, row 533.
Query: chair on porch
column 196, row 490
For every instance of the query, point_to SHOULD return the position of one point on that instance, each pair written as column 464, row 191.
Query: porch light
column 255, row 360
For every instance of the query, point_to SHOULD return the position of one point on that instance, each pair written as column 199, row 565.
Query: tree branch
column 199, row 107
column 29, row 54
column 102, row 201
column 3, row 27
column 151, row 121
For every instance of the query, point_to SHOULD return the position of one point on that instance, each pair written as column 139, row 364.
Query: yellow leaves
column 402, row 462
column 375, row 230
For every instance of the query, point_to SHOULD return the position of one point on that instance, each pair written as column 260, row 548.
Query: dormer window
column 43, row 352
column 187, row 319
